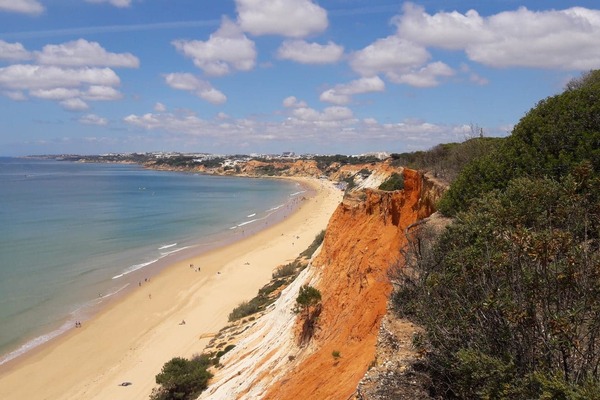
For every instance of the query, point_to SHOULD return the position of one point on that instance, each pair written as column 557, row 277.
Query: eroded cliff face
column 361, row 243
column 363, row 239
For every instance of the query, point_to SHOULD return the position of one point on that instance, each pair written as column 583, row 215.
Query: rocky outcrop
column 362, row 241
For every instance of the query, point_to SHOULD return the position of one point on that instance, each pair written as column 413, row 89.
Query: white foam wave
column 173, row 251
column 247, row 222
column 36, row 342
column 275, row 208
column 135, row 268
column 163, row 254
column 297, row 193
column 166, row 246
column 251, row 215
column 40, row 340
column 104, row 296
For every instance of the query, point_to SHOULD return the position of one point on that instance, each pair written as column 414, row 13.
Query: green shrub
column 559, row 135
column 394, row 182
column 226, row 350
column 509, row 294
column 244, row 309
column 314, row 245
column 286, row 270
column 308, row 297
column 182, row 379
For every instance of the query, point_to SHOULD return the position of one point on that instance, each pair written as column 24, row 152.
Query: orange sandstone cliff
column 362, row 241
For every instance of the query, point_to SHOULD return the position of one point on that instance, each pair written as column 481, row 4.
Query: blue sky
column 267, row 76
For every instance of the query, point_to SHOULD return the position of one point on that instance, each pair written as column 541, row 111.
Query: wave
column 104, row 296
column 251, row 215
column 40, row 340
column 135, row 268
column 297, row 193
column 166, row 246
column 173, row 251
column 36, row 342
column 247, row 222
column 275, row 208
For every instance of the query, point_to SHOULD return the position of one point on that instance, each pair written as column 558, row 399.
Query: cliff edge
column 363, row 239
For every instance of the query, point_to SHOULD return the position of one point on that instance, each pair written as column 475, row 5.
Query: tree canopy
column 509, row 294
column 558, row 135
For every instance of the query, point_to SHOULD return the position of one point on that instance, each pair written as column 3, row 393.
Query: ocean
column 74, row 235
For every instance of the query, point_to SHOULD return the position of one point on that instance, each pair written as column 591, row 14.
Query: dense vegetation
column 557, row 136
column 509, row 294
column 182, row 379
column 394, row 182
column 326, row 162
column 446, row 161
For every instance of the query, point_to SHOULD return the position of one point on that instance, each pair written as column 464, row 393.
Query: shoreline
column 137, row 333
column 127, row 281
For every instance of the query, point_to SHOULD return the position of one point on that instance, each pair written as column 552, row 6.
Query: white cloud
column 160, row 107
column 74, row 104
column 291, row 18
column 227, row 49
column 310, row 53
column 292, row 101
column 554, row 39
column 390, row 56
column 445, row 30
column 32, row 7
column 202, row 89
column 99, row 92
column 83, row 53
column 342, row 94
column 15, row 95
column 55, row 93
column 329, row 114
column 30, row 77
column 68, row 86
column 116, row 3
column 93, row 119
column 13, row 51
column 188, row 124
column 474, row 77
column 331, row 127
column 423, row 77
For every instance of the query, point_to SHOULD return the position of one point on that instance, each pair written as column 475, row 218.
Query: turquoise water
column 72, row 235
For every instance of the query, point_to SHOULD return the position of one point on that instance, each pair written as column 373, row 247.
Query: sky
column 272, row 76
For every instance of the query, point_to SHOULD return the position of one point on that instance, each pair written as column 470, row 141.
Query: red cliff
column 361, row 243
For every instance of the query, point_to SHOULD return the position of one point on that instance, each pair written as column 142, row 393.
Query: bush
column 509, row 294
column 308, row 304
column 226, row 350
column 446, row 161
column 308, row 297
column 182, row 379
column 314, row 245
column 559, row 135
column 394, row 182
column 286, row 270
column 244, row 309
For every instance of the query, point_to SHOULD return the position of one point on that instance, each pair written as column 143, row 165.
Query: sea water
column 72, row 235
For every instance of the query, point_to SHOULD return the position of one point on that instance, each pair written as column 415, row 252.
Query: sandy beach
column 132, row 339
